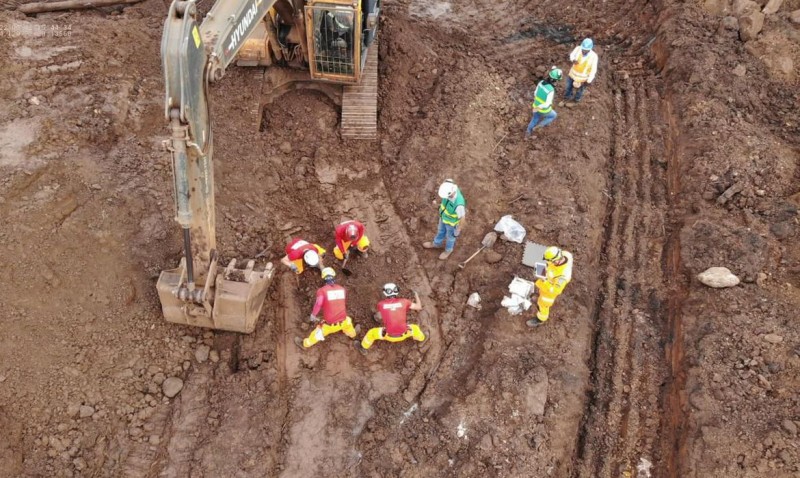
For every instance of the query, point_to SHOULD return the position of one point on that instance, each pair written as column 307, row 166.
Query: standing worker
column 558, row 273
column 350, row 234
column 300, row 252
column 543, row 101
column 452, row 210
column 331, row 298
column 584, row 68
column 393, row 312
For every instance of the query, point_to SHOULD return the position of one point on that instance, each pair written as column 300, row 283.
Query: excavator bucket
column 238, row 297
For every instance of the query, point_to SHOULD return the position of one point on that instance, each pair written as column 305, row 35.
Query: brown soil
column 641, row 372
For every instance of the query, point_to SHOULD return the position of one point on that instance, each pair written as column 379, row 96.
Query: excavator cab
column 339, row 33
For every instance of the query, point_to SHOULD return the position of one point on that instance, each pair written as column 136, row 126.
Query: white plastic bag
column 511, row 229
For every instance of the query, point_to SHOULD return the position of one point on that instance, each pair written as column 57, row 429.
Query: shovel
column 488, row 241
column 345, row 270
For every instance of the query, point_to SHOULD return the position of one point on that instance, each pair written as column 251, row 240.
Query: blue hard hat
column 587, row 44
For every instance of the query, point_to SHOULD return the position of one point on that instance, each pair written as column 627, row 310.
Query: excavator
column 325, row 45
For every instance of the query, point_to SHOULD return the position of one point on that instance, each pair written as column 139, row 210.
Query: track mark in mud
column 623, row 415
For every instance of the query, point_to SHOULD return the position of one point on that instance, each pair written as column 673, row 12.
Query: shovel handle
column 463, row 264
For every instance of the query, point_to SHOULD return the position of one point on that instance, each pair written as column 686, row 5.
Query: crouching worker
column 300, row 253
column 393, row 313
column 331, row 298
column 350, row 235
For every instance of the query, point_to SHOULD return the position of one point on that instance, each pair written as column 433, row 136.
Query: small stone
column 96, row 187
column 214, row 356
column 73, row 409
column 760, row 192
column 718, row 277
column 159, row 378
column 790, row 427
column 286, row 147
column 186, row 364
column 135, row 432
column 86, row 411
column 772, row 7
column 33, row 100
column 730, row 23
column 154, row 439
column 761, row 278
column 201, row 353
column 773, row 338
column 750, row 25
column 740, row 70
column 795, row 17
column 172, row 386
column 80, row 463
column 492, row 257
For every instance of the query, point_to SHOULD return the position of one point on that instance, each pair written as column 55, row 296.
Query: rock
column 795, row 17
column 172, row 386
column 730, row 23
column 201, row 353
column 790, row 427
column 486, row 443
column 772, row 7
column 154, row 439
column 740, row 70
column 782, row 230
column 773, row 338
column 73, row 409
column 760, row 279
column 750, row 25
column 214, row 356
column 716, row 7
column 86, row 411
column 159, row 378
column 743, row 7
column 34, row 101
column 735, row 189
column 718, row 277
column 492, row 257
column 285, row 147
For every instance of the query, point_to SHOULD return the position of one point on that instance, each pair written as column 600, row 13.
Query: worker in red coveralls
column 350, row 234
column 300, row 253
column 331, row 298
column 392, row 312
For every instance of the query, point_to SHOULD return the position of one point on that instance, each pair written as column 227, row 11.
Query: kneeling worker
column 349, row 235
column 393, row 312
column 332, row 299
column 300, row 252
column 558, row 273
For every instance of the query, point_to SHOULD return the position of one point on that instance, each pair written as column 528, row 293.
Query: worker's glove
column 293, row 267
column 313, row 318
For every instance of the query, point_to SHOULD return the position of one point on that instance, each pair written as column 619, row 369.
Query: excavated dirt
column 683, row 156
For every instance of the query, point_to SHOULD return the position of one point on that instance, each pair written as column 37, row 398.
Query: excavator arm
column 193, row 56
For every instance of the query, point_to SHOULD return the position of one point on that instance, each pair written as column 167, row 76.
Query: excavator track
column 360, row 103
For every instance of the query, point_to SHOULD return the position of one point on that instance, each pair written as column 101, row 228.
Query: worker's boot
column 357, row 345
column 299, row 342
column 430, row 245
column 444, row 255
column 534, row 322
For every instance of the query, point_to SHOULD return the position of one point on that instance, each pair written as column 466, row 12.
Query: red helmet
column 352, row 232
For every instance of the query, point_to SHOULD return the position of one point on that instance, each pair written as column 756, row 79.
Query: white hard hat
column 447, row 189
column 311, row 258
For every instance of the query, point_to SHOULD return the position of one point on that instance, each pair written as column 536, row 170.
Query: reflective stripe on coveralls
column 379, row 333
column 447, row 209
column 543, row 97
column 557, row 278
column 323, row 330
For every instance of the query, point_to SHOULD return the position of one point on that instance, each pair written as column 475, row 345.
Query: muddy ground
column 684, row 155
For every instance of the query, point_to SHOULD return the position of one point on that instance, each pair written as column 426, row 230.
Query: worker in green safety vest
column 543, row 112
column 452, row 210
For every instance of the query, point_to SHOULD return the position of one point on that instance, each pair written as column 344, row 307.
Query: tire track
column 623, row 418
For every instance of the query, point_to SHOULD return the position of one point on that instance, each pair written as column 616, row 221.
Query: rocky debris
column 773, row 338
column 214, row 356
column 201, row 353
column 285, row 147
column 73, row 409
column 750, row 25
column 735, row 189
column 172, row 386
column 795, row 17
column 86, row 411
column 716, row 7
column 492, row 257
column 718, row 277
column 159, row 378
column 154, row 439
column 740, row 70
column 730, row 23
column 790, row 427
column 743, row 7
column 772, row 7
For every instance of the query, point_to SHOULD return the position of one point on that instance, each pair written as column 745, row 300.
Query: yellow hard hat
column 552, row 253
column 328, row 273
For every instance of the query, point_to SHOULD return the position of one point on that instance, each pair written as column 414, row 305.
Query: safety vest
column 559, row 276
column 334, row 298
column 542, row 97
column 582, row 69
column 393, row 314
column 447, row 209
